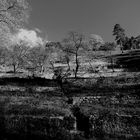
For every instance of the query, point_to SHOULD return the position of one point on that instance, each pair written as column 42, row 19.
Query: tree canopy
column 119, row 34
column 13, row 12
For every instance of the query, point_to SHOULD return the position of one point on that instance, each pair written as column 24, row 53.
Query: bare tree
column 56, row 56
column 71, row 46
column 16, row 55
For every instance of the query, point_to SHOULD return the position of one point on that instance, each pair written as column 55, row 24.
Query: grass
column 36, row 100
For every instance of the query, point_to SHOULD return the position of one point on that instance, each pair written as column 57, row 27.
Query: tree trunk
column 68, row 66
column 77, row 64
column 112, row 63
column 68, row 63
column 42, row 69
column 121, row 47
column 14, row 70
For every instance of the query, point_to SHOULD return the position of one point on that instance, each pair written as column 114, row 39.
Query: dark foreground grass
column 29, row 81
column 26, row 114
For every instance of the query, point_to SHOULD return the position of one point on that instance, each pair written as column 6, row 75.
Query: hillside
column 129, row 60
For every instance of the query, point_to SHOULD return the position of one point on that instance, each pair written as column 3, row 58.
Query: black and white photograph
column 69, row 69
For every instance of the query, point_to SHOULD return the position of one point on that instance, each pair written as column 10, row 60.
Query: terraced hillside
column 129, row 59
column 37, row 108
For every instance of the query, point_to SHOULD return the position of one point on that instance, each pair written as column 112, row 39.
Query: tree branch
column 9, row 8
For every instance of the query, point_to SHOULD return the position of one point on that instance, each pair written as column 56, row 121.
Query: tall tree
column 128, row 43
column 13, row 13
column 138, row 41
column 119, row 33
column 71, row 45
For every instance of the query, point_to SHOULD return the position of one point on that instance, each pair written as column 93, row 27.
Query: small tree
column 71, row 46
column 95, row 41
column 57, row 56
column 60, row 76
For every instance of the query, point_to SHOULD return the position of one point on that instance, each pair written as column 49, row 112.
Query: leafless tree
column 56, row 55
column 16, row 55
column 71, row 46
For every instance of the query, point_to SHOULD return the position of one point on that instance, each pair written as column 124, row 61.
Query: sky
column 55, row 18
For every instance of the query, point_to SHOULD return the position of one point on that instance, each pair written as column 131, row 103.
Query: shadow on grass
column 29, row 81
